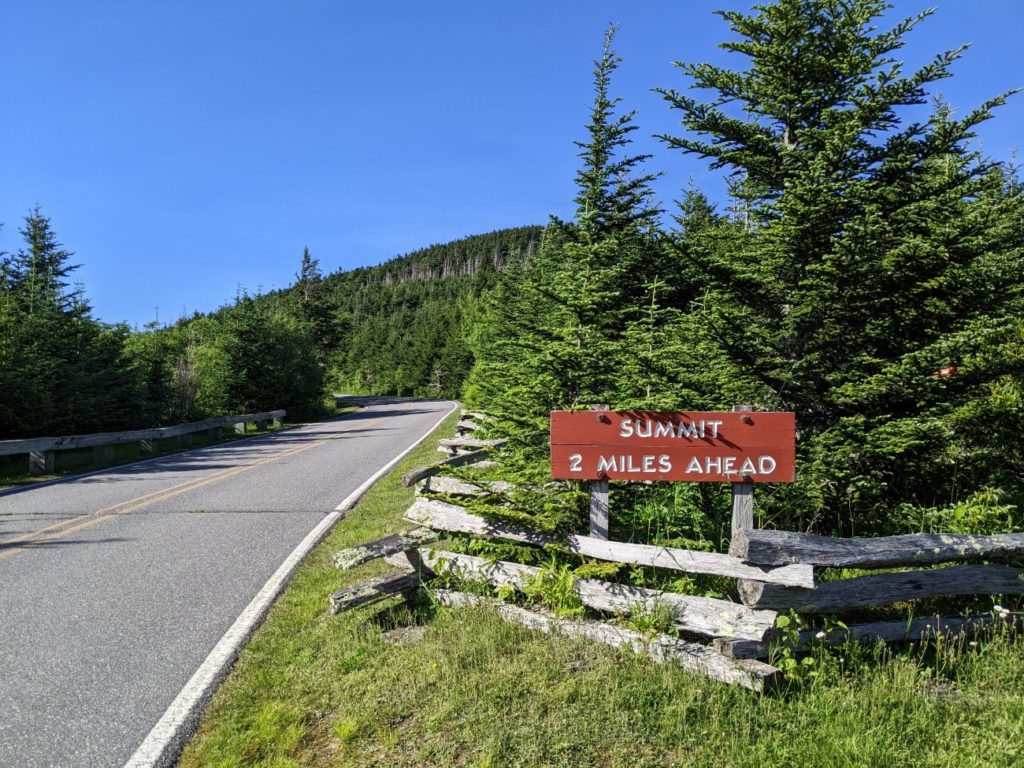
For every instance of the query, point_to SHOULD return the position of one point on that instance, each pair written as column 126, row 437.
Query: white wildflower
column 820, row 635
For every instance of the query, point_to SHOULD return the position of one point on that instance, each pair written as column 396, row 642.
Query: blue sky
column 183, row 149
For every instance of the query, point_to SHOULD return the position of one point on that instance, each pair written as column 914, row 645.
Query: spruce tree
column 61, row 370
column 555, row 323
column 271, row 361
column 37, row 272
column 313, row 305
column 613, row 192
column 308, row 278
column 870, row 261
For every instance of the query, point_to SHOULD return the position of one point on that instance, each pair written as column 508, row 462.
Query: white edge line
column 163, row 744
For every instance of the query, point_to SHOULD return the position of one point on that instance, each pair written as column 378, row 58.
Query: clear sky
column 183, row 149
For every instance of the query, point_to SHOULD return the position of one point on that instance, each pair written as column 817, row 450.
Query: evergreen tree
column 613, row 192
column 61, row 371
column 271, row 361
column 313, row 307
column 411, row 313
column 864, row 261
column 37, row 273
column 555, row 322
column 308, row 278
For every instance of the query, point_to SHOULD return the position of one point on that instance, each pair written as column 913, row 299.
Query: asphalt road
column 115, row 586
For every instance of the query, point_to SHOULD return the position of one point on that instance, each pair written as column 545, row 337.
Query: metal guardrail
column 40, row 449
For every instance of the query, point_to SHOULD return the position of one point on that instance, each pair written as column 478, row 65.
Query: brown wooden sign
column 729, row 447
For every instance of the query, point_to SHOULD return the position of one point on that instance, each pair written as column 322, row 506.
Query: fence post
column 599, row 499
column 276, row 423
column 240, row 428
column 261, row 425
column 40, row 462
column 742, row 494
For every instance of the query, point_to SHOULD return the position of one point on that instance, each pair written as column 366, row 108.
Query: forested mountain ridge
column 465, row 257
column 402, row 327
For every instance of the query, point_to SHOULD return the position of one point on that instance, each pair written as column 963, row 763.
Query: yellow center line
column 128, row 506
column 72, row 520
column 98, row 516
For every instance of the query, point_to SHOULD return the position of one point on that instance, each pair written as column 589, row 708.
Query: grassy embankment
column 401, row 686
column 14, row 469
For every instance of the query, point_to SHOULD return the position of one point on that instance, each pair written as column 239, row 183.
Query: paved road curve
column 115, row 586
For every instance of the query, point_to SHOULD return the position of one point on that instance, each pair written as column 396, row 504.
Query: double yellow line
column 89, row 519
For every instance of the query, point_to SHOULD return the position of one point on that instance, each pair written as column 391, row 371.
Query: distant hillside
column 401, row 327
column 460, row 258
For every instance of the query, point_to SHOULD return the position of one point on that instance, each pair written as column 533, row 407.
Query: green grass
column 14, row 469
column 411, row 685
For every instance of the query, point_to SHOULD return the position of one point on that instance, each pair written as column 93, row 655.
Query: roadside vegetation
column 868, row 275
column 399, row 328
column 63, row 372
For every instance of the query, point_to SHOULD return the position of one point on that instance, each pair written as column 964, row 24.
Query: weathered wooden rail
column 41, row 450
column 697, row 615
column 885, row 588
column 784, row 547
column 459, row 460
column 452, row 518
column 913, row 631
column 695, row 657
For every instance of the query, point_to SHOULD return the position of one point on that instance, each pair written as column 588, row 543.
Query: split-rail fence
column 777, row 572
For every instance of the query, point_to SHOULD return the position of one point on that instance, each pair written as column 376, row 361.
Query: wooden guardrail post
column 214, row 433
column 599, row 498
column 240, row 428
column 40, row 462
column 261, row 425
column 276, row 422
column 103, row 454
column 146, row 446
column 742, row 494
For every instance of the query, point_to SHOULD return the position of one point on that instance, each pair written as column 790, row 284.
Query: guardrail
column 41, row 450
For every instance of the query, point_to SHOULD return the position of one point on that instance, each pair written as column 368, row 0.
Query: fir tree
column 37, row 273
column 557, row 330
column 309, row 277
column 271, row 361
column 313, row 306
column 613, row 192
column 864, row 262
column 61, row 371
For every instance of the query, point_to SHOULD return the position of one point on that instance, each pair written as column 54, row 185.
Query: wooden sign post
column 742, row 447
column 742, row 494
column 599, row 498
